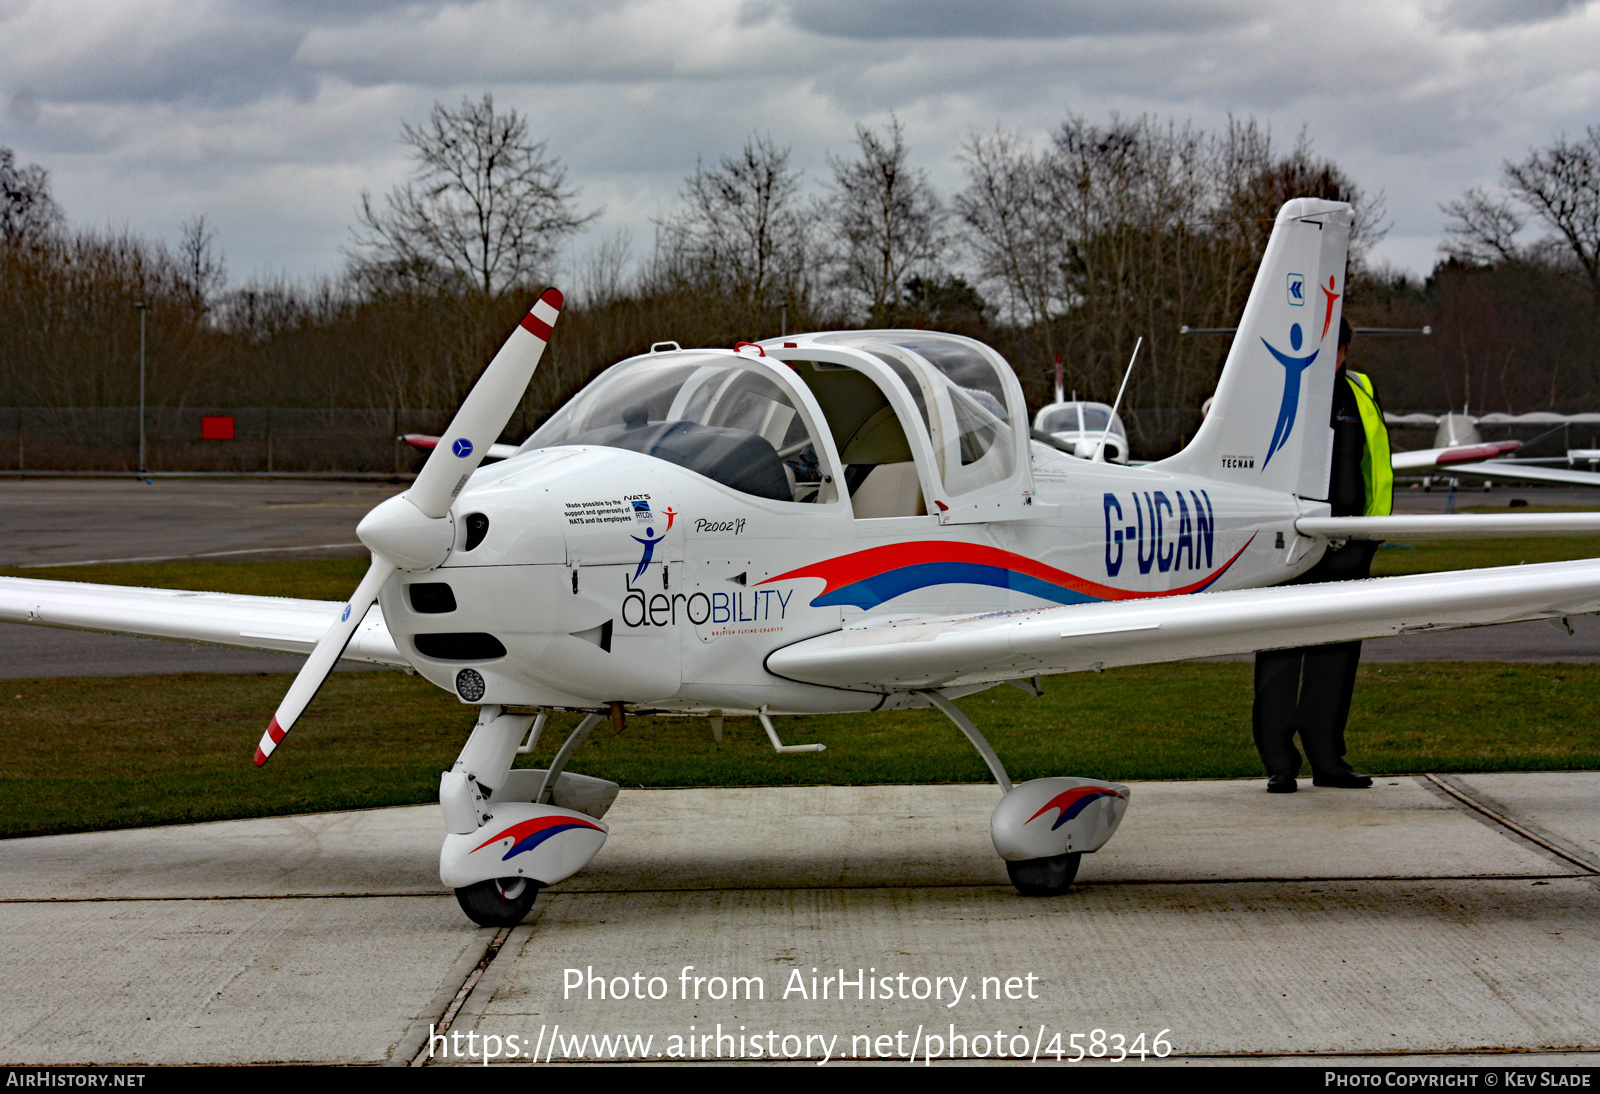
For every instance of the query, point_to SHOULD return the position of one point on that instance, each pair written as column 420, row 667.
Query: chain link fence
column 237, row 439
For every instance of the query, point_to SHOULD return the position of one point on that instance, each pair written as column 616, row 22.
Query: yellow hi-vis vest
column 1376, row 469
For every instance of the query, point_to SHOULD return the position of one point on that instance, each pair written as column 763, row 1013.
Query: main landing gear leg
column 1044, row 827
column 979, row 742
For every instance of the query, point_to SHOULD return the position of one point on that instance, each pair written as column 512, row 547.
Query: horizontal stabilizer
column 1452, row 526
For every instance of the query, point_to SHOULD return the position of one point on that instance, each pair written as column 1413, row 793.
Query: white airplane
column 836, row 522
column 1079, row 428
column 1459, row 449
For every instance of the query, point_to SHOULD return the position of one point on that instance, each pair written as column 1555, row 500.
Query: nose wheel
column 498, row 902
column 1044, row 876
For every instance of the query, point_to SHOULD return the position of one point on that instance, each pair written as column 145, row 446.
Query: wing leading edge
column 959, row 650
column 222, row 619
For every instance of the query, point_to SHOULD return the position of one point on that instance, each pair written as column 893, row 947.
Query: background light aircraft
column 1460, row 449
column 1078, row 427
column 834, row 522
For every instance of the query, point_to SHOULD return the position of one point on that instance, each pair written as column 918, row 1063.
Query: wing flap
column 222, row 619
column 955, row 651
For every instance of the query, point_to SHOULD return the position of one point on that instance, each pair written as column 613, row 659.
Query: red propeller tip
column 261, row 757
column 552, row 297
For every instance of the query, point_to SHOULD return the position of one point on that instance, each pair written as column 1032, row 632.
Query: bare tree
column 886, row 217
column 486, row 209
column 1559, row 187
column 27, row 211
column 205, row 269
column 1481, row 228
column 603, row 276
column 741, row 229
column 1008, row 224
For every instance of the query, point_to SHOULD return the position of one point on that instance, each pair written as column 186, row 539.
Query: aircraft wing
column 957, row 650
column 1428, row 459
column 221, row 619
column 1522, row 472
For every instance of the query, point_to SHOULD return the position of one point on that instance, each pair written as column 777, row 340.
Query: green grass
column 1414, row 556
column 95, row 753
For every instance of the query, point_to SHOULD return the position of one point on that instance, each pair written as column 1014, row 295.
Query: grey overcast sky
column 271, row 116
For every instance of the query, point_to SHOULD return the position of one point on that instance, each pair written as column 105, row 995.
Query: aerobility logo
column 1293, row 366
column 641, row 505
column 1070, row 803
column 875, row 576
column 528, row 834
column 1290, row 406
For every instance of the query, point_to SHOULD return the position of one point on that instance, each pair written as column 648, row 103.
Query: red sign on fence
column 216, row 427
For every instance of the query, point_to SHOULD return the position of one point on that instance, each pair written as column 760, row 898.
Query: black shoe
column 1343, row 780
column 1282, row 784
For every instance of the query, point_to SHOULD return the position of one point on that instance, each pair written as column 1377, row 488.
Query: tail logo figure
column 1292, row 368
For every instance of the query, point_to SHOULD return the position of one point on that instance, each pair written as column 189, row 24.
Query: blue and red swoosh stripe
column 528, row 834
column 1071, row 803
column 879, row 574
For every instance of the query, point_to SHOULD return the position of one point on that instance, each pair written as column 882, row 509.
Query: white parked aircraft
column 1079, row 428
column 834, row 522
column 1459, row 448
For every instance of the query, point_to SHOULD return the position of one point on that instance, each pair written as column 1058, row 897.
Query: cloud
column 273, row 115
column 995, row 19
column 87, row 52
column 1491, row 14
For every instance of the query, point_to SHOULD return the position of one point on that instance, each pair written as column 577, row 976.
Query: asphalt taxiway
column 1424, row 921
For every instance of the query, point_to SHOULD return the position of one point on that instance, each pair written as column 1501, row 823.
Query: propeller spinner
column 413, row 531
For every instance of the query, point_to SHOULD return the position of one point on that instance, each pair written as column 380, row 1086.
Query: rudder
column 1268, row 424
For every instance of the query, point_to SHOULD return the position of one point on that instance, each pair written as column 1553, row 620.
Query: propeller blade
column 487, row 409
column 476, row 426
column 317, row 667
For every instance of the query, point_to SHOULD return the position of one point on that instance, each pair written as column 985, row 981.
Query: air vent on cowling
column 473, row 646
column 432, row 598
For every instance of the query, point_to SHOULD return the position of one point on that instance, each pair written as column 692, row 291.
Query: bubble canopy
column 720, row 414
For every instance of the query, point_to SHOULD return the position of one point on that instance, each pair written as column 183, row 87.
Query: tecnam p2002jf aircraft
column 833, row 522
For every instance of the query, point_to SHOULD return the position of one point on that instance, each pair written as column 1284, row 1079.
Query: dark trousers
column 1307, row 690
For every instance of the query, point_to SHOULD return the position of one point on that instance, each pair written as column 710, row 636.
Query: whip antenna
column 1100, row 453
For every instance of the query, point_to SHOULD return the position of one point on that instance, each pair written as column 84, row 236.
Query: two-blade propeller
column 413, row 531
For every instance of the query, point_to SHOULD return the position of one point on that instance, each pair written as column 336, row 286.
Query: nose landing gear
column 498, row 902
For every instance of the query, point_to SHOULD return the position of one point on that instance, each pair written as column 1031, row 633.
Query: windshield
column 709, row 412
column 1080, row 417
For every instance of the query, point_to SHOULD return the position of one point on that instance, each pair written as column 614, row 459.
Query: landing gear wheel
column 498, row 902
column 1039, row 876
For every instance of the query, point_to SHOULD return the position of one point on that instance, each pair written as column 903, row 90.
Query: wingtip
column 552, row 297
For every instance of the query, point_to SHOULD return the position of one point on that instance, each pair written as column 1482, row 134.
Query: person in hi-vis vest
column 1307, row 691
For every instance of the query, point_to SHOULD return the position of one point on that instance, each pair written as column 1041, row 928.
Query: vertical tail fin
column 1268, row 424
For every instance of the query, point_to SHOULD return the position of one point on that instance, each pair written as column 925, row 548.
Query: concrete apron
column 1425, row 917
